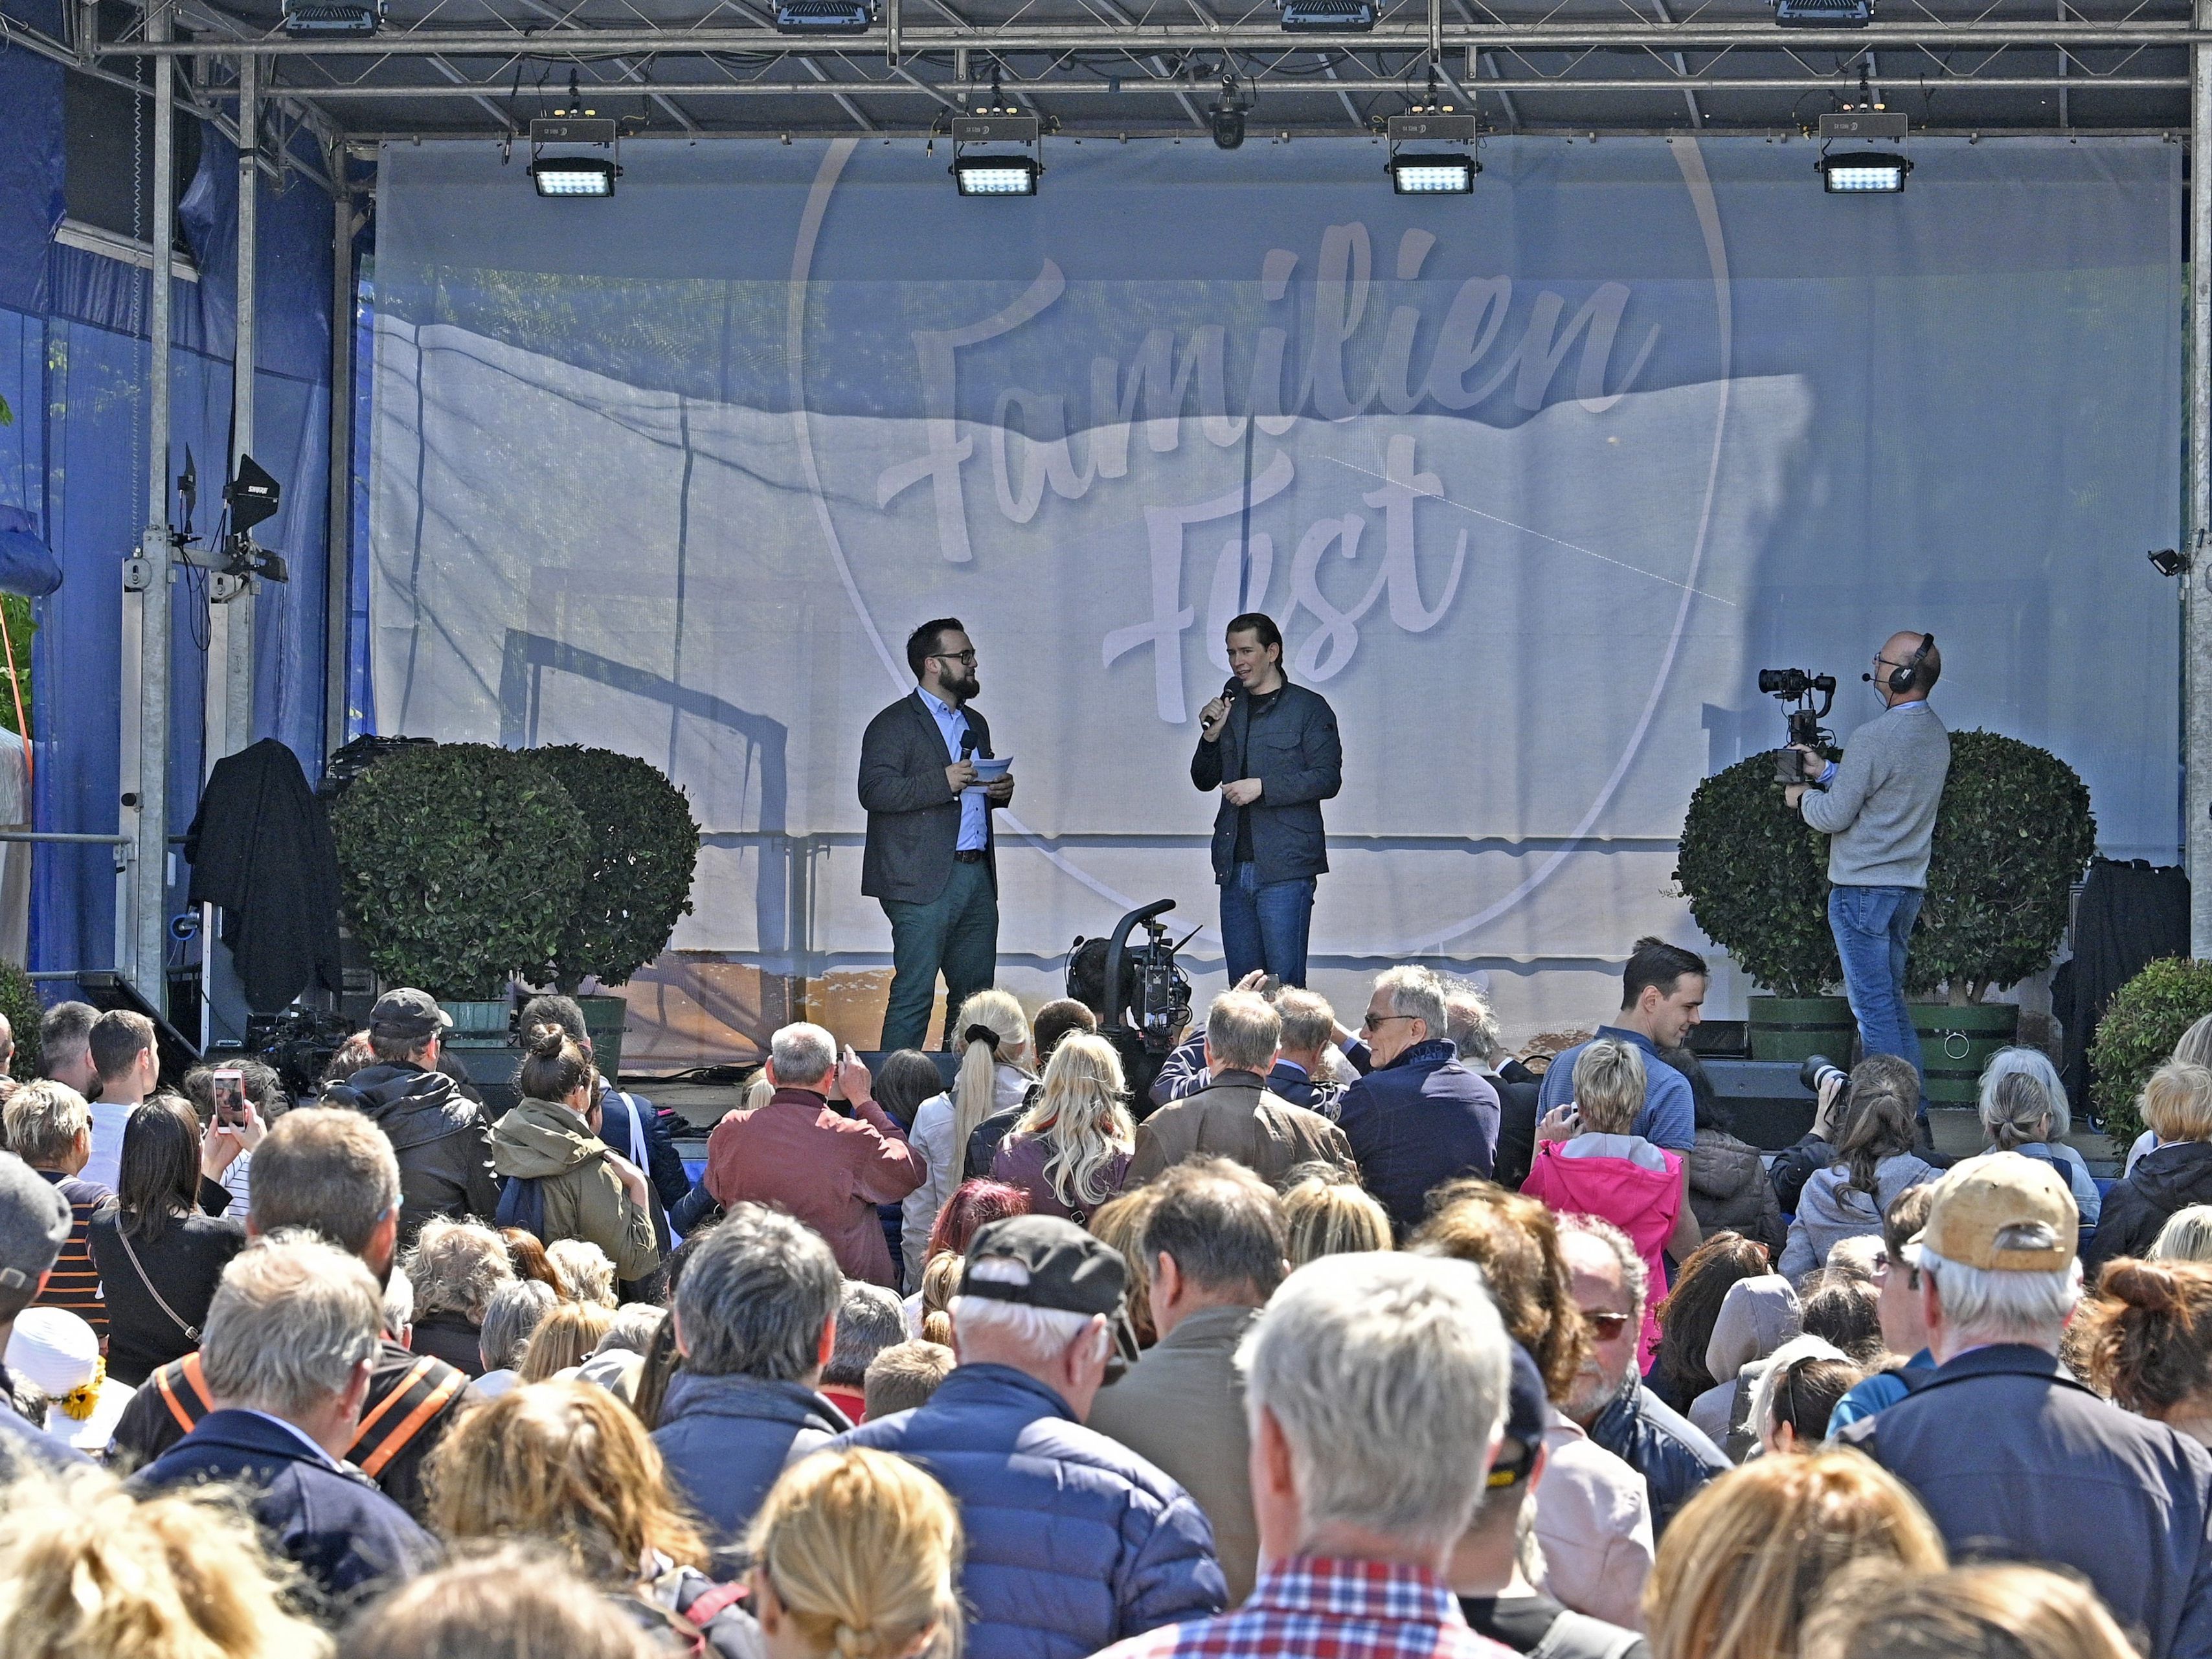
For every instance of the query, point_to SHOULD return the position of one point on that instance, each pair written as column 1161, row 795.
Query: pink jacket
column 1623, row 1179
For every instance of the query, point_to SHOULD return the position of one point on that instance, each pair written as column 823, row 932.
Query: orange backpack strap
column 429, row 1385
column 191, row 1404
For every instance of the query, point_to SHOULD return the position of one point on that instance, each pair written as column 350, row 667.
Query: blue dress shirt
column 975, row 819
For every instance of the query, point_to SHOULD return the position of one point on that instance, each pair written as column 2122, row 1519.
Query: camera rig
column 1140, row 991
column 1794, row 686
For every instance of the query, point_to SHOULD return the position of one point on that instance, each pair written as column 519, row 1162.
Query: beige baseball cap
column 2001, row 1213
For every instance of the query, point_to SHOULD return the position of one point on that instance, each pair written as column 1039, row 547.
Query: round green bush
column 2143, row 1021
column 460, row 866
column 18, row 1002
column 2014, row 833
column 1756, row 879
column 644, row 848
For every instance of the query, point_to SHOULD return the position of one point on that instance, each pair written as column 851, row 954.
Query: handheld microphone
column 967, row 744
column 1230, row 688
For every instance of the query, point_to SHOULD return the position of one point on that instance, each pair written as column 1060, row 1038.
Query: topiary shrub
column 2143, row 1021
column 644, row 848
column 460, row 864
column 2014, row 833
column 1756, row 879
column 19, row 1003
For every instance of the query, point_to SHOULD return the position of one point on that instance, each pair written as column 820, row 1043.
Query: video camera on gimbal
column 1795, row 685
column 1140, row 991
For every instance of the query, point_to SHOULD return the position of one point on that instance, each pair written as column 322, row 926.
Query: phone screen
column 230, row 1097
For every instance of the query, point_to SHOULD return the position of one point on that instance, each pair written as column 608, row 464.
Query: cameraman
column 1878, row 809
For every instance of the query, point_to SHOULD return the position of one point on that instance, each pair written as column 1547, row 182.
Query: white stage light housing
column 1433, row 175
column 1867, row 173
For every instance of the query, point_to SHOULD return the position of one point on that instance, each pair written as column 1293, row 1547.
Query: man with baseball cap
column 1073, row 1540
column 34, row 1225
column 2010, row 1455
column 438, row 1133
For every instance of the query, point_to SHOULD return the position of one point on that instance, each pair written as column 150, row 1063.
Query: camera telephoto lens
column 1816, row 1071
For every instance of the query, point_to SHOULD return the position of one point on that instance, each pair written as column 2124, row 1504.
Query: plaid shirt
column 1319, row 1607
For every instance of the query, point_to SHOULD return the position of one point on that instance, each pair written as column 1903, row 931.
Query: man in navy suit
column 291, row 1337
column 929, row 857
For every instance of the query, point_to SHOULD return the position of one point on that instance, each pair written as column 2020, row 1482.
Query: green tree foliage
column 1756, row 879
column 18, row 1002
column 643, row 848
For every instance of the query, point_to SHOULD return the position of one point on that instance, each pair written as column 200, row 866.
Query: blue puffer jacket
column 1074, row 1541
column 727, row 1439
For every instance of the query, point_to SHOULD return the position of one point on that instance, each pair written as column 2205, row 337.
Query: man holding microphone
column 1271, row 749
column 1877, row 807
column 929, row 859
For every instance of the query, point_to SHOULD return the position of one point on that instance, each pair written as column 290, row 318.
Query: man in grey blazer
column 929, row 859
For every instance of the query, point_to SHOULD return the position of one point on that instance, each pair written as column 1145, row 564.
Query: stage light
column 2167, row 562
column 825, row 16
column 1823, row 14
column 996, row 171
column 996, row 175
column 1869, row 173
column 1327, row 16
column 324, row 17
column 567, row 175
column 1226, row 116
column 1431, row 173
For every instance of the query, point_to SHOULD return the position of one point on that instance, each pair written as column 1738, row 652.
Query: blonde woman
column 1994, row 1612
column 85, row 1572
column 569, row 1466
column 1071, row 1151
column 1744, row 1561
column 564, row 1339
column 1326, row 1212
column 2186, row 1236
column 2194, row 1049
column 2177, row 1103
column 856, row 1555
column 994, row 1078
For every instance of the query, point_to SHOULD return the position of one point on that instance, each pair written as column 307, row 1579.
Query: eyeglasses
column 1377, row 1022
column 1605, row 1326
column 965, row 659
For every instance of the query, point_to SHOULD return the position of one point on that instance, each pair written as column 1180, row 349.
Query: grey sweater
column 1880, row 814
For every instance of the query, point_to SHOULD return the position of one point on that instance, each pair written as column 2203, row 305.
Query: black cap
column 1067, row 1267
column 412, row 1016
column 1526, row 1410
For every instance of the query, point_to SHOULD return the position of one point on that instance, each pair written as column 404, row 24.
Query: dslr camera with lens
column 1816, row 1072
column 1796, row 687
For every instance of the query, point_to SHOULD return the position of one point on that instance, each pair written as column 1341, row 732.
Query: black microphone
column 1229, row 688
column 967, row 744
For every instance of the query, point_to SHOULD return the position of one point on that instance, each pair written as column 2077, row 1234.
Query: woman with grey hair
column 510, row 1319
column 2019, row 1062
column 456, row 1266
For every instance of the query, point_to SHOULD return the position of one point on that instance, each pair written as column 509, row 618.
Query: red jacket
column 828, row 1171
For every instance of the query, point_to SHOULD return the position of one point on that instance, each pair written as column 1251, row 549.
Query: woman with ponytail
column 2145, row 1339
column 995, row 1074
column 1071, row 1151
column 856, row 1555
column 560, row 1174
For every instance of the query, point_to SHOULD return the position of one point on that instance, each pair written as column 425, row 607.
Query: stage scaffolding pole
column 2197, row 607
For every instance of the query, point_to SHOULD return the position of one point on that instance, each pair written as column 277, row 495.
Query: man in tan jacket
column 1236, row 1115
column 1215, row 1245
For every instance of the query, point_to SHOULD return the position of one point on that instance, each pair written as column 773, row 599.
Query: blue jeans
column 1871, row 926
column 1264, row 924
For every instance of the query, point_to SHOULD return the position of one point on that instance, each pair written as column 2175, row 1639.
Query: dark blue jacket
column 1674, row 1455
column 1074, row 1541
column 331, row 1520
column 1414, row 1124
column 726, row 1439
column 1295, row 753
column 2015, row 1460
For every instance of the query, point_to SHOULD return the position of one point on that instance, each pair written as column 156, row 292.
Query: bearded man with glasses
column 930, row 861
column 1608, row 1399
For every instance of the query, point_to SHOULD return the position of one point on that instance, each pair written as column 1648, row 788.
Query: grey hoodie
column 1757, row 1316
column 1829, row 1211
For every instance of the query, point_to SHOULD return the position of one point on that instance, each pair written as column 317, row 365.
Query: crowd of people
column 1331, row 1341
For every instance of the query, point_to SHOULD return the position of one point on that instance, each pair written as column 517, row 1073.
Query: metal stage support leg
column 2196, row 581
column 145, row 656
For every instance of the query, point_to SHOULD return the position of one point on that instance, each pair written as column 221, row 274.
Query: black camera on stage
column 1140, row 991
column 1797, row 688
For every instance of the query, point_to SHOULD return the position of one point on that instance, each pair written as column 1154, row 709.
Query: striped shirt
column 75, row 1284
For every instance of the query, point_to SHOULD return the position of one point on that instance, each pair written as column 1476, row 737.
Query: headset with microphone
column 1901, row 679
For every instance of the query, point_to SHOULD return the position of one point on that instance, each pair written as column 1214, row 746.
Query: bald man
column 1877, row 806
